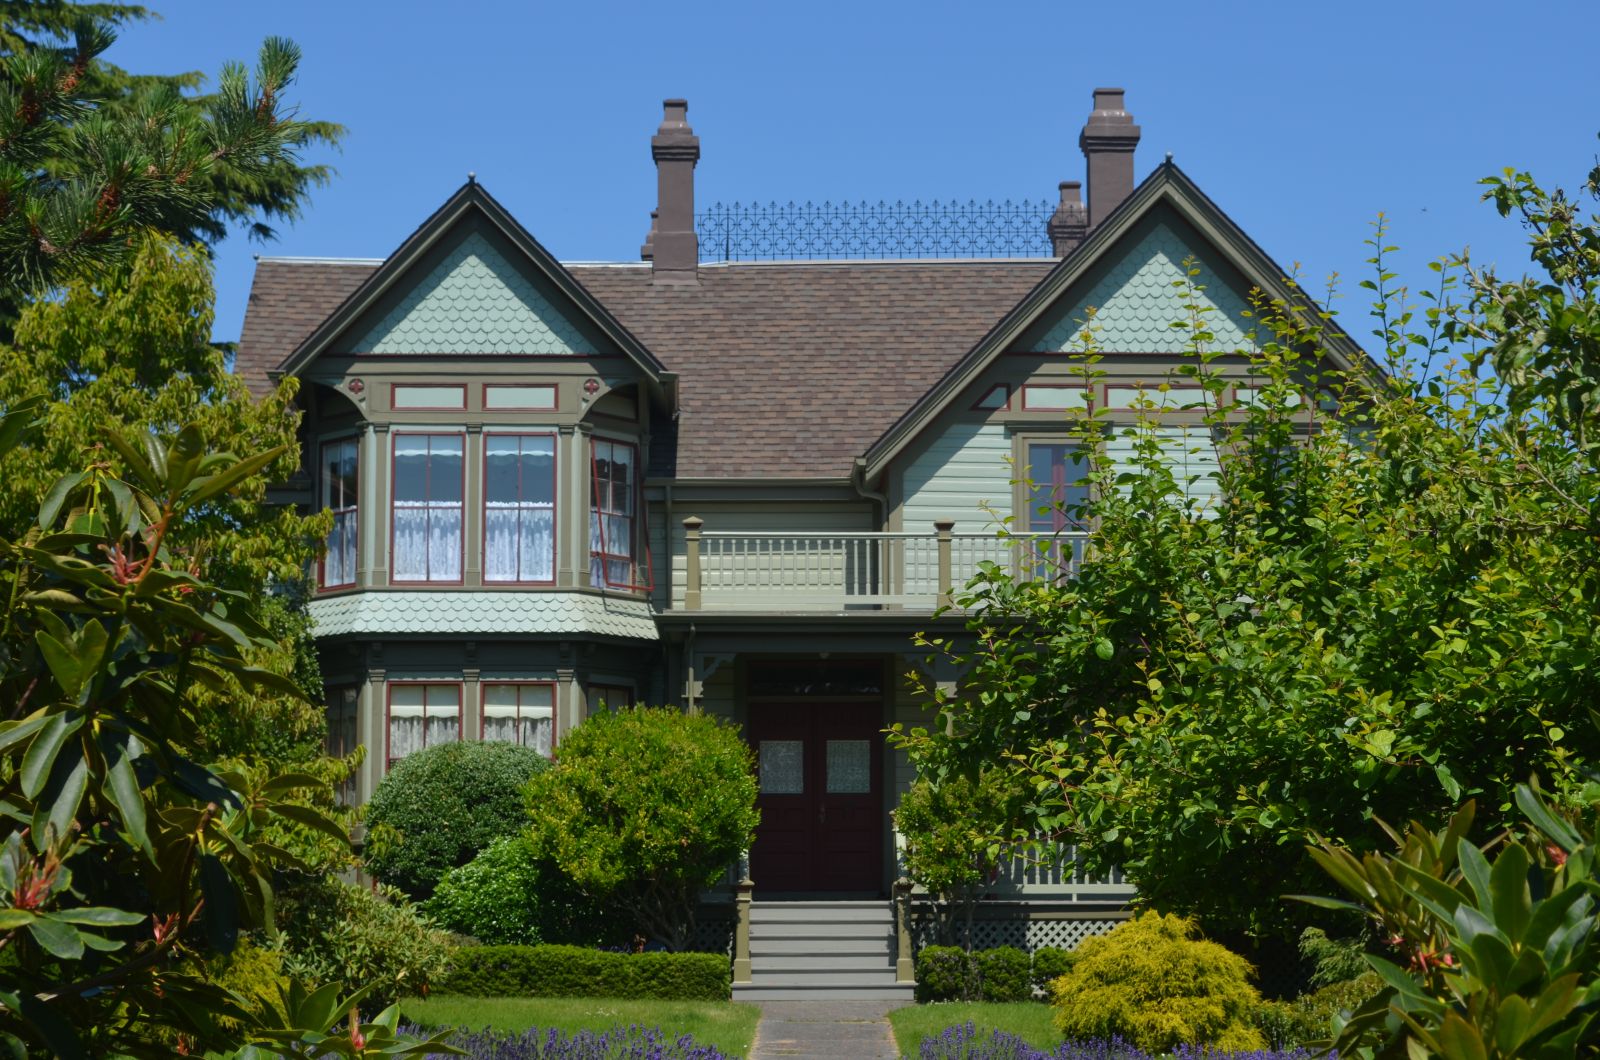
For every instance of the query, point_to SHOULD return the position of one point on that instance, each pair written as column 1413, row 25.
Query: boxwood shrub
column 1050, row 963
column 572, row 971
column 949, row 973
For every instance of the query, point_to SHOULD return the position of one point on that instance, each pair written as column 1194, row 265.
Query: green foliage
column 1333, row 960
column 1495, row 955
column 506, row 896
column 644, row 809
column 438, row 808
column 1392, row 608
column 1155, row 984
column 359, row 939
column 1307, row 1021
column 122, row 856
column 950, row 973
column 81, row 182
column 571, row 971
column 949, row 825
column 1049, row 963
column 254, row 973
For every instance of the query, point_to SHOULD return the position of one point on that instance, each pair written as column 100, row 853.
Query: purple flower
column 619, row 1043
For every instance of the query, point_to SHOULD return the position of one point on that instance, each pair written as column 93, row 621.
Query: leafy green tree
column 1392, row 608
column 122, row 858
column 949, row 828
column 644, row 809
column 90, row 154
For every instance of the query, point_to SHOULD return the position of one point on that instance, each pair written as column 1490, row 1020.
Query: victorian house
column 737, row 486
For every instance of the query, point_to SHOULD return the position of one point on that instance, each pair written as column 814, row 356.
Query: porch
column 916, row 571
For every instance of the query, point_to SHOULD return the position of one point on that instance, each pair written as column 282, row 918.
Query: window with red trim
column 519, row 508
column 521, row 713
column 340, row 467
column 1058, row 502
column 343, row 735
column 614, row 532
column 428, row 483
column 422, row 715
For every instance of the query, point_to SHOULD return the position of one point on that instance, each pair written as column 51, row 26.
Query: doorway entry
column 820, row 767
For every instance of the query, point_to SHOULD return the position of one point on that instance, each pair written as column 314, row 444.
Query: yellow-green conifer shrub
column 1156, row 984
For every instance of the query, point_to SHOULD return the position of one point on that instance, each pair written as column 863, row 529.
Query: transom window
column 613, row 533
column 340, row 463
column 428, row 472
column 422, row 714
column 519, row 492
column 520, row 713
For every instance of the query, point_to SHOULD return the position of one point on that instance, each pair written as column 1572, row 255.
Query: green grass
column 1028, row 1020
column 728, row 1026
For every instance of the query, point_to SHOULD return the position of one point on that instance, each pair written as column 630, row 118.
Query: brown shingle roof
column 785, row 370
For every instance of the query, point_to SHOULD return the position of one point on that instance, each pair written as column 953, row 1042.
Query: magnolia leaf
column 56, row 938
column 41, row 754
column 50, row 507
column 222, row 904
column 97, row 916
column 204, row 489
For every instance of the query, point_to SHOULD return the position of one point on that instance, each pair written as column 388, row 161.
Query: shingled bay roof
column 786, row 370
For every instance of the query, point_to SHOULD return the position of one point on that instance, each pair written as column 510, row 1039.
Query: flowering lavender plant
column 962, row 1042
column 620, row 1043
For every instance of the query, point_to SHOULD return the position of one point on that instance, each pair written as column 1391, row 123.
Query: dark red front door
column 821, row 797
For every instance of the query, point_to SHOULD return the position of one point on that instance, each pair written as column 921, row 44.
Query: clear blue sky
column 1301, row 120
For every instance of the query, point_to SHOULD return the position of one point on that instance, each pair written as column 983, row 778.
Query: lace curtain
column 427, row 507
column 521, row 714
column 422, row 716
column 339, row 565
column 340, row 464
column 519, row 509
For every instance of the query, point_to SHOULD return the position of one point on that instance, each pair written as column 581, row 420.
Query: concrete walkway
column 825, row 1030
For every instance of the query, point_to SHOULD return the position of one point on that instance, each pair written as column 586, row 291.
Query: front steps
column 822, row 951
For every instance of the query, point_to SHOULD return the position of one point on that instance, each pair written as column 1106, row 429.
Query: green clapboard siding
column 1136, row 303
column 962, row 468
column 1188, row 451
column 474, row 301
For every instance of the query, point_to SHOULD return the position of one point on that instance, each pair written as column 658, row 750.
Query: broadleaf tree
column 1392, row 607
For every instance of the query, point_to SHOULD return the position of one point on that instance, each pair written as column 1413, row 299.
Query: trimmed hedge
column 1050, row 963
column 949, row 973
column 572, row 971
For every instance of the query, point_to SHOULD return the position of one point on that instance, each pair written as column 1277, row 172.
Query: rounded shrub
column 440, row 806
column 1156, row 984
column 644, row 809
column 1049, row 962
column 507, row 896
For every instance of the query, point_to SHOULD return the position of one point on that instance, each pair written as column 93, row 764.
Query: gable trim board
column 1166, row 185
column 470, row 198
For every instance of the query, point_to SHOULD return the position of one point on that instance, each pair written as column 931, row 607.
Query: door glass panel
column 849, row 767
column 783, row 767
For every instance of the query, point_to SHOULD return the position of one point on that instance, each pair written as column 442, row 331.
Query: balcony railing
column 732, row 570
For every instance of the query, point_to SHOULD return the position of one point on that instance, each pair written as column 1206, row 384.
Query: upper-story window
column 519, row 500
column 1058, row 501
column 613, row 529
column 428, row 483
column 339, row 472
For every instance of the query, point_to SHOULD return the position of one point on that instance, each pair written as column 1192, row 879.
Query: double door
column 820, row 768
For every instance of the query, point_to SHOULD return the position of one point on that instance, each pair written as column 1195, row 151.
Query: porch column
column 904, row 968
column 691, row 562
column 742, row 892
column 942, row 528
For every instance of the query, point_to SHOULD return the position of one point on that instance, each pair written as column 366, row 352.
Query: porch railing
column 852, row 571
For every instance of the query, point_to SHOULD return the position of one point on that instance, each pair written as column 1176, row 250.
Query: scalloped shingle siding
column 484, row 613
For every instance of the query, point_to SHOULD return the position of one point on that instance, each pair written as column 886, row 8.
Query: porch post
column 943, row 527
column 741, row 928
column 691, row 562
column 904, row 969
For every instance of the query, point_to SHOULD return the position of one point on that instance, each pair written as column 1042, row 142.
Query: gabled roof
column 469, row 199
column 1166, row 185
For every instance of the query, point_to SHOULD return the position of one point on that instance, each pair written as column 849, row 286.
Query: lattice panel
column 713, row 933
column 1019, row 932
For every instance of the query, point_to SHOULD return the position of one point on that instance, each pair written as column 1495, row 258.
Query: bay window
column 519, row 492
column 522, row 714
column 340, row 461
column 613, row 531
column 422, row 714
column 428, row 484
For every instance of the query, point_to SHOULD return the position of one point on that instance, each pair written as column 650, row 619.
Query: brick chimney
column 1070, row 223
column 1108, row 140
column 672, row 247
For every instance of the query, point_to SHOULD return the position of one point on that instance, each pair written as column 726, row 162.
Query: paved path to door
column 825, row 1030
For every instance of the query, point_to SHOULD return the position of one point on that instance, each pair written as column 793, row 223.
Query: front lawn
column 1028, row 1020
column 729, row 1026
